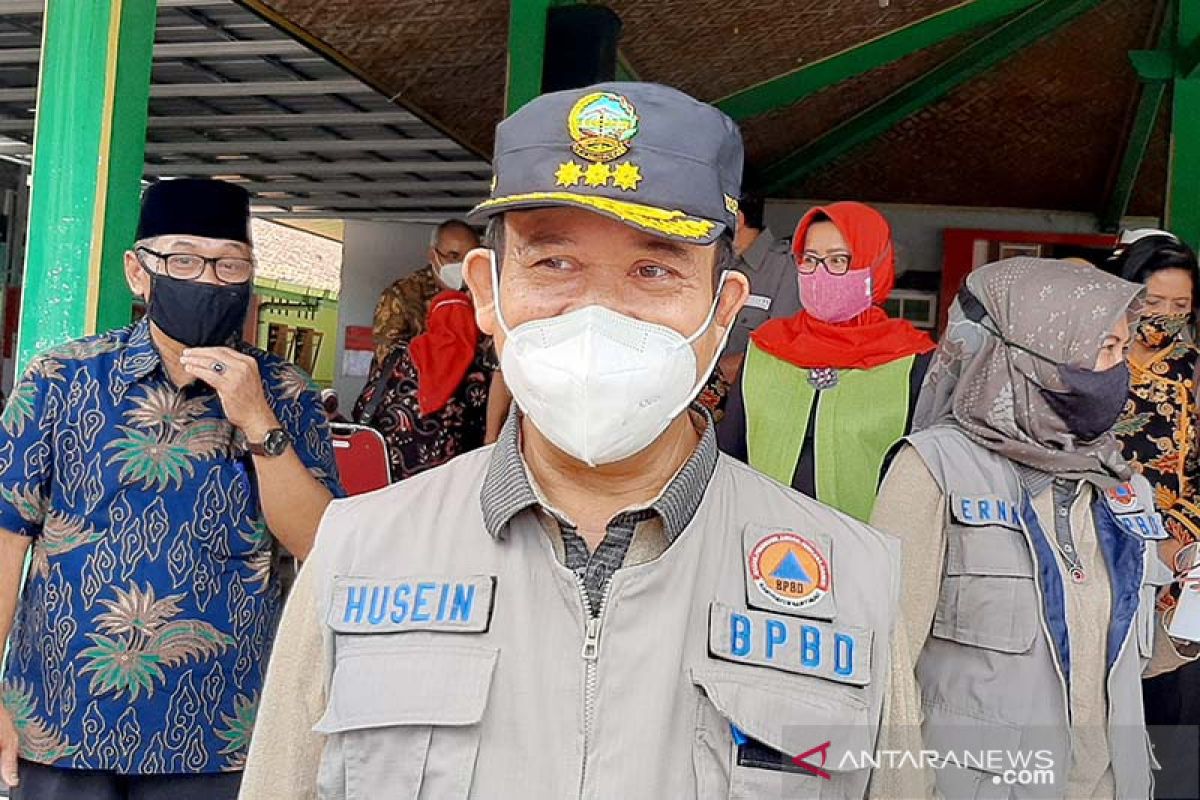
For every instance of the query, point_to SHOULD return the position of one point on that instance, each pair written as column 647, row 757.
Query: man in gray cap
column 600, row 605
column 771, row 268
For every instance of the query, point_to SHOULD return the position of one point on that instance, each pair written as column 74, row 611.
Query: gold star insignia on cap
column 627, row 176
column 597, row 174
column 568, row 174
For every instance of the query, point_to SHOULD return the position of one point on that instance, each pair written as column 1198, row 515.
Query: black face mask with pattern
column 1159, row 330
column 1093, row 400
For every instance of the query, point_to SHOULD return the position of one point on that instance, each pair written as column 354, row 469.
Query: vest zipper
column 1132, row 633
column 1062, row 679
column 590, row 654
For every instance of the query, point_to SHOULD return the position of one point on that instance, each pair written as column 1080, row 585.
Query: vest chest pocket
column 778, row 719
column 404, row 720
column 988, row 597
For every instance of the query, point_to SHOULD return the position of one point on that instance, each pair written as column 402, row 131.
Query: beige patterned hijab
column 1061, row 310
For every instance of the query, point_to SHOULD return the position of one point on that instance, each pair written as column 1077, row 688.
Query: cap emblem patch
column 601, row 125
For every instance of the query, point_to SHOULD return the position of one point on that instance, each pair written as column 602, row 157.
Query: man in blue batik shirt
column 151, row 470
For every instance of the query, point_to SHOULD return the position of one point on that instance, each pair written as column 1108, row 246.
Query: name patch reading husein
column 804, row 647
column 451, row 604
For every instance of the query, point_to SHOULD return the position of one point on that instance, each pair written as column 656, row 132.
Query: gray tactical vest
column 991, row 674
column 465, row 665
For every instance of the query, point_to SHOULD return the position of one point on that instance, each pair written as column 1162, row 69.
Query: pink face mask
column 835, row 298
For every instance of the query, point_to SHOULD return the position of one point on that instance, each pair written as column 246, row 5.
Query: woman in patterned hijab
column 1025, row 558
column 997, row 371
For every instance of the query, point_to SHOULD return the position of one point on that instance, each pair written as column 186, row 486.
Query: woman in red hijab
column 826, row 393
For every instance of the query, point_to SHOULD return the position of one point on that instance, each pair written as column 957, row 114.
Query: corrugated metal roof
column 235, row 97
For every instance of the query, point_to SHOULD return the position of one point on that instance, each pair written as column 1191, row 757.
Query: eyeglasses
column 189, row 266
column 834, row 263
column 447, row 258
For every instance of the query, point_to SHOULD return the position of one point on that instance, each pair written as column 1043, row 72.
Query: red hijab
column 870, row 339
column 445, row 351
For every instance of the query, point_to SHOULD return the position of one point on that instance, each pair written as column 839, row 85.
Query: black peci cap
column 197, row 207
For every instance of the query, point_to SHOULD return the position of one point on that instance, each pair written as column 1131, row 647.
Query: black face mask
column 198, row 314
column 1093, row 401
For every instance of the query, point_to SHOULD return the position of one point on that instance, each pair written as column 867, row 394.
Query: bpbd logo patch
column 789, row 569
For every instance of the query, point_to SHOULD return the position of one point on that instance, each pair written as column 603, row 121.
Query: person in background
column 429, row 398
column 827, row 392
column 1029, row 546
column 331, row 406
column 1158, row 435
column 149, row 473
column 1158, row 428
column 403, row 306
column 768, row 263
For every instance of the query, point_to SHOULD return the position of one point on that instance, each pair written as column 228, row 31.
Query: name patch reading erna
column 451, row 604
column 985, row 511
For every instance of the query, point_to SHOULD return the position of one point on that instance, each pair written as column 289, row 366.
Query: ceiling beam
column 794, row 86
column 978, row 57
column 231, row 49
column 1183, row 210
column 38, row 6
column 347, row 168
column 288, row 146
column 385, row 203
column 282, row 120
column 1189, row 61
column 1145, row 118
column 366, row 187
column 253, row 48
column 421, row 217
column 340, row 119
column 27, row 94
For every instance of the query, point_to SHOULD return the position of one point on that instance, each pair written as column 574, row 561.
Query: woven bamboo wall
column 1042, row 130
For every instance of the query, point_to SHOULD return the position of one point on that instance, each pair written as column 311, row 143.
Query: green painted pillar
column 88, row 152
column 1183, row 202
column 526, row 51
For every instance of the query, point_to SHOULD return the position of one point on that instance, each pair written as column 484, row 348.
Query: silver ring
column 218, row 367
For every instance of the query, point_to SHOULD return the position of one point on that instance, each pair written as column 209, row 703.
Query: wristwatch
column 273, row 444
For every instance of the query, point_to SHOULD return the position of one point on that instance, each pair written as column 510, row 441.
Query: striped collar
column 507, row 489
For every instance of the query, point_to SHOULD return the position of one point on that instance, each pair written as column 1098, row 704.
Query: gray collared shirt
column 774, row 293
column 508, row 491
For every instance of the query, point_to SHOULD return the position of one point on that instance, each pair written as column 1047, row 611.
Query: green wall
column 324, row 319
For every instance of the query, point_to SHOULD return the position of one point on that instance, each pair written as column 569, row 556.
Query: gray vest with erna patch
column 994, row 671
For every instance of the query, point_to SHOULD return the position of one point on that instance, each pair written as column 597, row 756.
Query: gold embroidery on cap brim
column 660, row 220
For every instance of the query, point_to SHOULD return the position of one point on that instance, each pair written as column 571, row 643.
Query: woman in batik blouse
column 1158, row 435
column 1158, row 429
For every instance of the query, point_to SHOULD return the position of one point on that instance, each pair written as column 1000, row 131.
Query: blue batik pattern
column 143, row 631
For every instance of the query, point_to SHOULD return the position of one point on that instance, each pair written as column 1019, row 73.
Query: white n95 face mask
column 451, row 275
column 599, row 385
